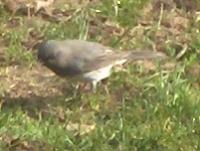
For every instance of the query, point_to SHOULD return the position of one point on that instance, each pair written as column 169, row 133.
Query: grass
column 145, row 110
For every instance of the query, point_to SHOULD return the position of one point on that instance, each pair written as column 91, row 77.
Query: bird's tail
column 140, row 55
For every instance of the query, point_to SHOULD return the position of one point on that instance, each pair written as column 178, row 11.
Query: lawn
column 152, row 106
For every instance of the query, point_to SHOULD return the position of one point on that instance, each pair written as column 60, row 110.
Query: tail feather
column 140, row 55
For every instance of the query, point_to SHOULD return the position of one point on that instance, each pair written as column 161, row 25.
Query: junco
column 89, row 61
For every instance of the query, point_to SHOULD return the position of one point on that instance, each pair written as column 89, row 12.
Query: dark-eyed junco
column 89, row 61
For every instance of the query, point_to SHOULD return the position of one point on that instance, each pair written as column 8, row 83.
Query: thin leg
column 77, row 86
column 94, row 86
column 85, row 87
column 106, row 90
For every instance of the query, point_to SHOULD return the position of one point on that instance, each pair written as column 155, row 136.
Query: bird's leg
column 29, row 12
column 77, row 86
column 94, row 86
column 105, row 86
column 85, row 87
column 119, row 67
column 88, row 87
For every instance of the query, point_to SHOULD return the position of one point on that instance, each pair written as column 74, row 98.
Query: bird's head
column 46, row 51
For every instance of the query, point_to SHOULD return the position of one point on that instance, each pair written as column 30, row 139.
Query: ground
column 153, row 105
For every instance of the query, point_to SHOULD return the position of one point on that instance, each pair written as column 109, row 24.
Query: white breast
column 101, row 73
column 98, row 74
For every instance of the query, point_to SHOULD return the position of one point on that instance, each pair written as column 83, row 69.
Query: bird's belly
column 98, row 75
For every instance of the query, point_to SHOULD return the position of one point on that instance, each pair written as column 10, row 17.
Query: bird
column 87, row 61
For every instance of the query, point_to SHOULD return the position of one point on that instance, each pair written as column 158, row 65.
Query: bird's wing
column 105, row 60
column 89, row 56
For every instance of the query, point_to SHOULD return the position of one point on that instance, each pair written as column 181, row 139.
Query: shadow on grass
column 34, row 104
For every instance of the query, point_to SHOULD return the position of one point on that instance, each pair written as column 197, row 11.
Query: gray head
column 57, row 56
column 45, row 52
column 48, row 54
